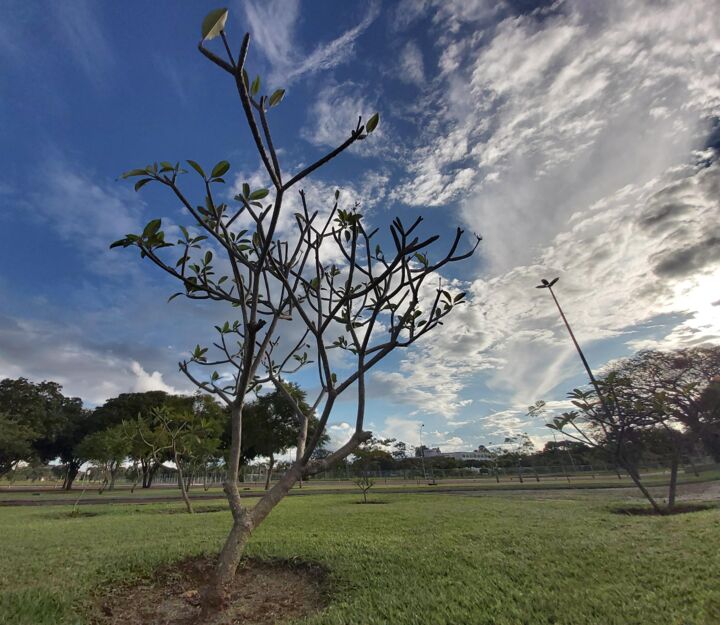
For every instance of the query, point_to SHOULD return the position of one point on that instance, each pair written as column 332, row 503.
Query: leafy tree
column 706, row 423
column 400, row 450
column 107, row 449
column 16, row 443
column 189, row 436
column 43, row 418
column 377, row 299
column 138, row 408
column 618, row 425
column 678, row 387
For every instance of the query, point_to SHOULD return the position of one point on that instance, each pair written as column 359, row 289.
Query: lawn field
column 501, row 559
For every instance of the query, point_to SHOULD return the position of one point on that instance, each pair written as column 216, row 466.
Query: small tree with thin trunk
column 364, row 482
column 617, row 425
column 294, row 306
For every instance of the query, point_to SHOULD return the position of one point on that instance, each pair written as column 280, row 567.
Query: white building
column 481, row 453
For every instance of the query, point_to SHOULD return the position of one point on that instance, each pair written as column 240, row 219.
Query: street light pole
column 422, row 452
column 549, row 285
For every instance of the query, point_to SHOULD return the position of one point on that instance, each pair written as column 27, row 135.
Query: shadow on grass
column 648, row 511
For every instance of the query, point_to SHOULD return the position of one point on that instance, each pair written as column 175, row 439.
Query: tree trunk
column 271, row 464
column 673, row 481
column 181, row 483
column 72, row 470
column 214, row 595
column 145, row 467
column 113, row 473
column 635, row 476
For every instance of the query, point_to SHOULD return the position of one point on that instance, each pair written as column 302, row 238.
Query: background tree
column 138, row 408
column 40, row 415
column 706, row 425
column 618, row 426
column 108, row 449
column 375, row 300
column 680, row 388
column 16, row 443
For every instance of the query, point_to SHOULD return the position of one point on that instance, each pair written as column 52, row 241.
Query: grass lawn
column 421, row 559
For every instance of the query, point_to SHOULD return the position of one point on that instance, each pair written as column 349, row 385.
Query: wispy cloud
column 86, row 210
column 273, row 25
column 81, row 32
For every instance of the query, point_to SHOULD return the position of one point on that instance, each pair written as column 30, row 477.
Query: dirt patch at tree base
column 263, row 593
column 648, row 511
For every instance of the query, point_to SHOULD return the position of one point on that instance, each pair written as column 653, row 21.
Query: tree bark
column 113, row 473
column 181, row 483
column 70, row 475
column 635, row 476
column 214, row 595
column 271, row 464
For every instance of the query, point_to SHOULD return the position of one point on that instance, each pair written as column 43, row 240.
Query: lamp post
column 544, row 284
column 422, row 452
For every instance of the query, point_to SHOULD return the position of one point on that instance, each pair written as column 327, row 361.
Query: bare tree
column 364, row 482
column 369, row 303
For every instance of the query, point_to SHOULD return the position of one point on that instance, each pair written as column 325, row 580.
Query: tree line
column 38, row 423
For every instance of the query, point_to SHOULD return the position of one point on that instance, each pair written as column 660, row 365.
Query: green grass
column 430, row 559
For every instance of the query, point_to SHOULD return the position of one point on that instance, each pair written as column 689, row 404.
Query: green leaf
column 173, row 296
column 213, row 24
column 208, row 257
column 255, row 87
column 245, row 189
column 120, row 243
column 258, row 194
column 220, row 169
column 134, row 172
column 141, row 183
column 372, row 123
column 151, row 228
column 277, row 97
column 197, row 168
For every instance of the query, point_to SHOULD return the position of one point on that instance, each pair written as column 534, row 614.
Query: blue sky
column 578, row 138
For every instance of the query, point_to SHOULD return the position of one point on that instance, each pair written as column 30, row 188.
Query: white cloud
column 273, row 26
column 412, row 68
column 646, row 251
column 149, row 381
column 90, row 369
column 569, row 138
